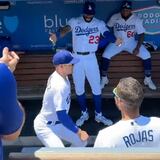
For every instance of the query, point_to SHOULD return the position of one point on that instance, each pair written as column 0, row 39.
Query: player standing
column 133, row 130
column 53, row 122
column 126, row 25
column 86, row 31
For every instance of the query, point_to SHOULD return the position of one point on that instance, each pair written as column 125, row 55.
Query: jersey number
column 94, row 39
column 130, row 34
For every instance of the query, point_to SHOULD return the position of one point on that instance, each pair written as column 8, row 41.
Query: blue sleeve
column 107, row 38
column 66, row 121
column 11, row 116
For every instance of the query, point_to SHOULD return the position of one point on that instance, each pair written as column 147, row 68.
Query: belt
column 83, row 53
column 50, row 122
column 57, row 122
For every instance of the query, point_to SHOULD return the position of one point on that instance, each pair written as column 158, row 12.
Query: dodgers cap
column 89, row 8
column 126, row 5
column 64, row 57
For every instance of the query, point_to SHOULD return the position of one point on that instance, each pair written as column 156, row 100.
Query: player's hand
column 10, row 58
column 53, row 37
column 83, row 135
column 136, row 51
column 119, row 41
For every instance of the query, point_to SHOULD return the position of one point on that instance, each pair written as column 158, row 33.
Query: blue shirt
column 11, row 116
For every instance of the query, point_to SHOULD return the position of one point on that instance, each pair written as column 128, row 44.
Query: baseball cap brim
column 74, row 61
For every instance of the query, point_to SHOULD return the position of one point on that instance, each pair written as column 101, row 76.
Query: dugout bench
column 34, row 69
column 89, row 153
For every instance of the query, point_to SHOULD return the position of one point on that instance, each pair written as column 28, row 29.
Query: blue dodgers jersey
column 11, row 115
column 1, row 151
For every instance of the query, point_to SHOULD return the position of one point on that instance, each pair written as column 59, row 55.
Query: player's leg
column 93, row 76
column 110, row 51
column 79, row 82
column 69, row 136
column 46, row 135
column 146, row 58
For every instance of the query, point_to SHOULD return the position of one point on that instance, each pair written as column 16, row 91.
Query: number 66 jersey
column 126, row 29
column 86, row 35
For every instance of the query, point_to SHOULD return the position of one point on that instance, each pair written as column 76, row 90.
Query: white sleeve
column 139, row 26
column 59, row 100
column 103, row 27
column 111, row 21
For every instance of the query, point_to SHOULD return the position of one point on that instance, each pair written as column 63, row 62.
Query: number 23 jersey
column 86, row 35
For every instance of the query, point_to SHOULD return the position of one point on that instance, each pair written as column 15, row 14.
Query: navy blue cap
column 89, row 8
column 64, row 57
column 126, row 5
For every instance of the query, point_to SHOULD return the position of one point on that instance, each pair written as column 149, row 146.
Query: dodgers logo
column 11, row 23
column 151, row 19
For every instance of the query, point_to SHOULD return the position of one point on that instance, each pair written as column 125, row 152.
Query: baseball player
column 53, row 122
column 125, row 26
column 133, row 130
column 11, row 112
column 86, row 31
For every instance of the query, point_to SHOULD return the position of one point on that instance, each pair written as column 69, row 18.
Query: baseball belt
column 83, row 53
column 50, row 122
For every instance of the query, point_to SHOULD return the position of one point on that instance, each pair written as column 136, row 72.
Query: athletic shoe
column 84, row 117
column 104, row 81
column 148, row 82
column 100, row 118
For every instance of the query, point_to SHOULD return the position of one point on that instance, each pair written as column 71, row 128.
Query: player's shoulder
column 148, row 120
column 116, row 15
column 111, row 129
column 155, row 119
column 98, row 21
column 56, row 80
column 135, row 17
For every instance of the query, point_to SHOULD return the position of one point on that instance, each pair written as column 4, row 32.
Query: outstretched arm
column 60, row 33
column 68, row 123
column 107, row 38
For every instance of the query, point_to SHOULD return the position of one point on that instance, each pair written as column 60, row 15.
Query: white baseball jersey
column 85, row 36
column 126, row 29
column 56, row 98
column 139, row 132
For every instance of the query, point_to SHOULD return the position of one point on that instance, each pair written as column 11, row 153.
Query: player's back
column 139, row 132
